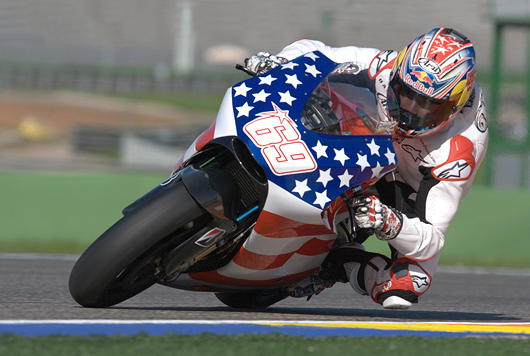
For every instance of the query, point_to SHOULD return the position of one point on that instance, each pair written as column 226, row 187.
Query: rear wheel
column 123, row 261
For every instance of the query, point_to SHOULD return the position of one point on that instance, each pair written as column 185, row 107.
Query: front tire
column 256, row 299
column 122, row 262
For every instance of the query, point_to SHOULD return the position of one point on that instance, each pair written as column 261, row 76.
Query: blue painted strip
column 247, row 213
column 40, row 329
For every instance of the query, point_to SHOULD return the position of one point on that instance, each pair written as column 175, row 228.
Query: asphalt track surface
column 33, row 289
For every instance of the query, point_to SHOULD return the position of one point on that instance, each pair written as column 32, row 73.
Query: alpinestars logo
column 413, row 152
column 384, row 60
column 453, row 171
column 460, row 161
column 419, row 281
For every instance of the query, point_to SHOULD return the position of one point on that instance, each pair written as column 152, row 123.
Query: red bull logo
column 422, row 77
column 418, row 84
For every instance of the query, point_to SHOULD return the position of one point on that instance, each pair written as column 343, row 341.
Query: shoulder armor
column 383, row 60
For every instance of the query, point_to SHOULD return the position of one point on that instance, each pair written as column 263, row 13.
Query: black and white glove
column 370, row 213
column 262, row 62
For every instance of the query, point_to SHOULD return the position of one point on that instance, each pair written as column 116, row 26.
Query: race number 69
column 279, row 139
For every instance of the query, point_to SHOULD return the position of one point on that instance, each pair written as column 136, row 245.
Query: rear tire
column 122, row 262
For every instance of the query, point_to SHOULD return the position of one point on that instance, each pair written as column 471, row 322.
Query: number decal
column 280, row 143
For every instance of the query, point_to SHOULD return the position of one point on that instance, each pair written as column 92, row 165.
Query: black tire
column 121, row 262
column 258, row 299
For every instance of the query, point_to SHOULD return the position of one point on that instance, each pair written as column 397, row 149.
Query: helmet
column 431, row 80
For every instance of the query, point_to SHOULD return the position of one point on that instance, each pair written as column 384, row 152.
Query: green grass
column 64, row 213
column 256, row 345
column 488, row 230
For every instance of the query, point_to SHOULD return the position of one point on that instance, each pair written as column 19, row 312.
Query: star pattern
column 293, row 80
column 261, row 96
column 266, row 80
column 390, row 156
column 321, row 199
column 320, row 150
column 340, row 162
column 312, row 70
column 362, row 161
column 340, row 156
column 374, row 148
column 244, row 110
column 287, row 98
column 289, row 65
column 312, row 55
column 376, row 171
column 345, row 179
column 241, row 90
column 325, row 177
column 301, row 187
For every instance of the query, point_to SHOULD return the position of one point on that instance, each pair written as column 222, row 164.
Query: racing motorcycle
column 258, row 200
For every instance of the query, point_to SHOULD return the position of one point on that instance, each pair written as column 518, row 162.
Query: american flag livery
column 307, row 171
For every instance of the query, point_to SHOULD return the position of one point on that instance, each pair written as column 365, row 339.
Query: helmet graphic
column 431, row 81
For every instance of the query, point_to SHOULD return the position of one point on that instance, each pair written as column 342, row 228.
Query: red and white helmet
column 431, row 81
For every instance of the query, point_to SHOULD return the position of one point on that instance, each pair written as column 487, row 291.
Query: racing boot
column 393, row 284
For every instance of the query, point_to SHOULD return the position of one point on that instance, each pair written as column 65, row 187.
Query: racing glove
column 262, row 62
column 370, row 213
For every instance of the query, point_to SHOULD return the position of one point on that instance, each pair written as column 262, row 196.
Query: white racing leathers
column 433, row 175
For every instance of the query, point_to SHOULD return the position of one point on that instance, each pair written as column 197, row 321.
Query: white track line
column 222, row 322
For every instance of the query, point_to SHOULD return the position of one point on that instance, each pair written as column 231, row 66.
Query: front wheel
column 123, row 261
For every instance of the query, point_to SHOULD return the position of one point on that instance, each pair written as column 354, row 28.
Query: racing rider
column 440, row 140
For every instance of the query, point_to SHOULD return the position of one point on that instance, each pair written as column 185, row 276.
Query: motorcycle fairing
column 295, row 230
column 315, row 167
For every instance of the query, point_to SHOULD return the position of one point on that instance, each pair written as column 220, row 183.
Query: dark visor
column 418, row 111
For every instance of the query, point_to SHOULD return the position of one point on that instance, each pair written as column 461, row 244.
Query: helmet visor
column 418, row 112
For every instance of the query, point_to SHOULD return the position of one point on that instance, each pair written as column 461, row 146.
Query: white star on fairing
column 376, row 171
column 340, row 156
column 293, row 80
column 267, row 80
column 320, row 150
column 321, row 198
column 289, row 65
column 390, row 156
column 312, row 56
column 374, row 148
column 325, row 177
column 312, row 70
column 244, row 110
column 287, row 98
column 261, row 96
column 301, row 188
column 362, row 161
column 345, row 178
column 241, row 90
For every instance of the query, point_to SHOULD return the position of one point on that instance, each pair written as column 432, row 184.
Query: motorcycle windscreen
column 345, row 103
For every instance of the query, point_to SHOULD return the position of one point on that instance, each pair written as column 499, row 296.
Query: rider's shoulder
column 473, row 118
column 383, row 60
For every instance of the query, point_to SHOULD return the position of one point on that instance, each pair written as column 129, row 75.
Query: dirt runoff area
column 35, row 127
